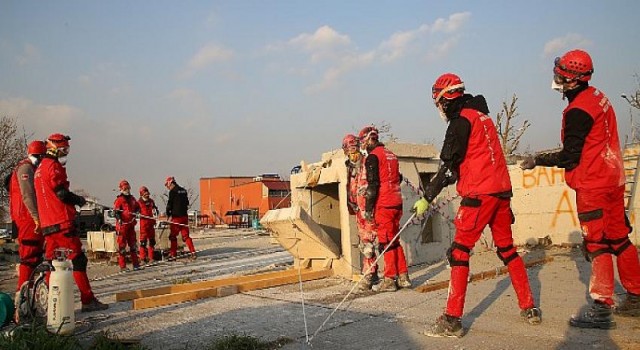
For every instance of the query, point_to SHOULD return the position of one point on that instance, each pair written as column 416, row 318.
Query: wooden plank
column 430, row 287
column 143, row 293
column 258, row 282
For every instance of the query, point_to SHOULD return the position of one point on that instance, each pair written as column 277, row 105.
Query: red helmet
column 368, row 132
column 170, row 180
column 350, row 143
column 448, row 86
column 124, row 185
column 37, row 148
column 58, row 143
column 143, row 190
column 574, row 65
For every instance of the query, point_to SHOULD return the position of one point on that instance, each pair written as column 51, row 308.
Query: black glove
column 528, row 163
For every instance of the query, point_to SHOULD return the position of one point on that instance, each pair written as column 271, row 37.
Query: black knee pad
column 80, row 262
column 507, row 259
column 452, row 260
column 143, row 244
column 152, row 242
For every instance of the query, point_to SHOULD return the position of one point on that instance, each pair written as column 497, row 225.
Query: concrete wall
column 544, row 207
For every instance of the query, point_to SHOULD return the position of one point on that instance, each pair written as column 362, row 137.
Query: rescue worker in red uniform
column 24, row 214
column 356, row 190
column 383, row 208
column 126, row 208
column 56, row 207
column 593, row 166
column 472, row 156
column 177, row 206
column 148, row 209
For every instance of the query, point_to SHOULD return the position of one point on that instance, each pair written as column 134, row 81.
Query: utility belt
column 65, row 226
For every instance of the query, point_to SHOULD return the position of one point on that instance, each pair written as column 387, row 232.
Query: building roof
column 277, row 185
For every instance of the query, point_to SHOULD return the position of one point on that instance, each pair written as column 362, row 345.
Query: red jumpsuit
column 24, row 210
column 357, row 186
column 125, row 207
column 598, row 180
column 57, row 217
column 147, row 228
column 485, row 188
column 388, row 207
column 177, row 206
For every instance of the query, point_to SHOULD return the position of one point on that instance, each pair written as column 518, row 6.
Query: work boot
column 369, row 280
column 532, row 315
column 136, row 268
column 404, row 281
column 123, row 269
column 629, row 307
column 387, row 285
column 193, row 256
column 599, row 315
column 94, row 305
column 446, row 326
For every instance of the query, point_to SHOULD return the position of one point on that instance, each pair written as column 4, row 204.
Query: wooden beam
column 258, row 282
column 176, row 288
column 430, row 287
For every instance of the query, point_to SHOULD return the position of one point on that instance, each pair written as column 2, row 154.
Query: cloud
column 40, row 118
column 337, row 55
column 324, row 43
column 29, row 54
column 442, row 50
column 206, row 56
column 452, row 24
column 558, row 45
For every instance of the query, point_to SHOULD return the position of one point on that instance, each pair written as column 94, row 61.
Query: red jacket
column 601, row 159
column 48, row 177
column 126, row 207
column 146, row 209
column 389, row 195
column 484, row 169
column 21, row 194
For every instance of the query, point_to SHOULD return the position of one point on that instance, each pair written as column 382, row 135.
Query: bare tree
column 634, row 102
column 13, row 145
column 386, row 135
column 510, row 135
column 192, row 195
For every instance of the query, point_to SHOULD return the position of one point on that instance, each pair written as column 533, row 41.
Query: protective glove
column 528, row 163
column 81, row 201
column 420, row 206
column 368, row 215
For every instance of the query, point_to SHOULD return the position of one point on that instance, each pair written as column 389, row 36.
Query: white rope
column 375, row 263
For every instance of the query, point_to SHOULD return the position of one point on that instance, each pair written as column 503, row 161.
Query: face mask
column 34, row 160
column 62, row 160
column 354, row 157
column 557, row 87
column 145, row 197
column 443, row 115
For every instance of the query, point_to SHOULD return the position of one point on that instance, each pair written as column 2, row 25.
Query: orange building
column 222, row 195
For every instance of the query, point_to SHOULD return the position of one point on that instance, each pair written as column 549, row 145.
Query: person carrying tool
column 356, row 189
column 125, row 209
column 472, row 156
column 148, row 210
column 592, row 160
column 56, row 208
column 177, row 206
column 24, row 214
column 383, row 207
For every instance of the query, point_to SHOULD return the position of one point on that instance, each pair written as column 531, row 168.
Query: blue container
column 6, row 309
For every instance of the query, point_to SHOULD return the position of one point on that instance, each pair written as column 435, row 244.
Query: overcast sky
column 193, row 89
